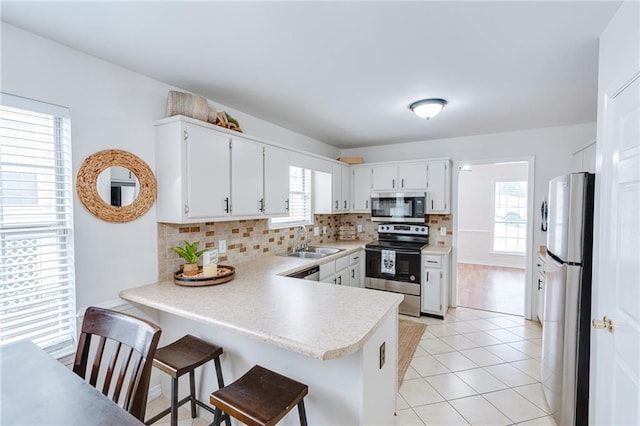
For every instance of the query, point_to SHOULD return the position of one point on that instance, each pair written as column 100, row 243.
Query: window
column 299, row 200
column 37, row 284
column 510, row 216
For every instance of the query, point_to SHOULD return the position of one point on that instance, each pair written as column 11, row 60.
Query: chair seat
column 184, row 355
column 260, row 397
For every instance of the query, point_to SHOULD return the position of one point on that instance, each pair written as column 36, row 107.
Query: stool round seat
column 181, row 357
column 260, row 397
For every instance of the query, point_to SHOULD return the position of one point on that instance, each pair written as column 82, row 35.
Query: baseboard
column 154, row 392
column 484, row 263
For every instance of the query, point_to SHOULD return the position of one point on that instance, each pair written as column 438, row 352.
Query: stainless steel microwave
column 404, row 207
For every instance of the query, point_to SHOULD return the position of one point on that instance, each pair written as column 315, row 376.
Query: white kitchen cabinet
column 584, row 160
column 122, row 174
column 276, row 181
column 435, row 284
column 246, row 177
column 540, row 282
column 355, row 269
column 340, row 188
column 361, row 193
column 400, row 177
column 192, row 172
column 439, row 187
column 336, row 271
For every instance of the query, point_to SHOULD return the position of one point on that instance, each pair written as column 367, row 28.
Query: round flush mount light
column 428, row 108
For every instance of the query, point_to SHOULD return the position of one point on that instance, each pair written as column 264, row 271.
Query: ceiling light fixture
column 428, row 108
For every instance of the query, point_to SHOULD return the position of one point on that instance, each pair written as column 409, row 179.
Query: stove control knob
column 412, row 277
column 422, row 229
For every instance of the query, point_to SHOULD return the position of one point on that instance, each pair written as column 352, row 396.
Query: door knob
column 603, row 323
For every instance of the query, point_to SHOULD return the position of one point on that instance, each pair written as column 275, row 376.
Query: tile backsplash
column 250, row 239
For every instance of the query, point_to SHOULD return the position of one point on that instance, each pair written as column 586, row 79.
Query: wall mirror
column 116, row 185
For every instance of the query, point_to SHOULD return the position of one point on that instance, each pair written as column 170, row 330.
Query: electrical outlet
column 443, row 231
column 382, row 354
column 222, row 245
column 359, row 228
column 316, row 231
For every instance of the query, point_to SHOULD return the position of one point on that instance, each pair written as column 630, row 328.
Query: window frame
column 282, row 222
column 524, row 224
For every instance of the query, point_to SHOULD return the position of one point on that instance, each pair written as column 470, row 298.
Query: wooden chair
column 132, row 344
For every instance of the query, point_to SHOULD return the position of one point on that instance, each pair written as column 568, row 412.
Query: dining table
column 37, row 389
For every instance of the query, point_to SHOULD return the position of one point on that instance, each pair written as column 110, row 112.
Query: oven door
column 406, row 207
column 407, row 265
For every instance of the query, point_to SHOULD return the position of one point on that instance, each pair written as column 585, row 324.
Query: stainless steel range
column 393, row 262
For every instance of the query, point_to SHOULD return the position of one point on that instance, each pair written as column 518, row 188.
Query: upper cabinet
column 399, row 177
column 361, row 193
column 584, row 160
column 439, row 187
column 205, row 174
column 340, row 188
column 193, row 173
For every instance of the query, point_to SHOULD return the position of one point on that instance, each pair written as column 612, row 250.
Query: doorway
column 492, row 238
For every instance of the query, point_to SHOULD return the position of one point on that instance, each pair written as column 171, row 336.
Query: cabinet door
column 246, row 177
column 361, row 194
column 207, row 173
column 438, row 187
column 385, row 178
column 121, row 174
column 345, row 188
column 355, row 280
column 336, row 188
column 431, row 291
column 342, row 277
column 413, row 176
column 276, row 181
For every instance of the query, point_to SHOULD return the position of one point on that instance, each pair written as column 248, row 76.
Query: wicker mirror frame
column 87, row 185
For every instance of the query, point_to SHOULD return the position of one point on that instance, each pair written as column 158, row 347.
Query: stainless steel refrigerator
column 567, row 298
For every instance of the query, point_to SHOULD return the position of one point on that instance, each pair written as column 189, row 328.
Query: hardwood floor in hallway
column 491, row 288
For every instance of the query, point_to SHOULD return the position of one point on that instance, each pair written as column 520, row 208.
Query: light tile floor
column 475, row 367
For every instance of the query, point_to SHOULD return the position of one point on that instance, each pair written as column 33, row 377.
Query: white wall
column 475, row 213
column 111, row 107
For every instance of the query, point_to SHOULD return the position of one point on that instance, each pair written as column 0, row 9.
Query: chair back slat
column 131, row 343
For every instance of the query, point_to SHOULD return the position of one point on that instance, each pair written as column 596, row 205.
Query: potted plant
column 190, row 254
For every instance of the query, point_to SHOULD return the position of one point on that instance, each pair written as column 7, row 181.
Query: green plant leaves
column 190, row 252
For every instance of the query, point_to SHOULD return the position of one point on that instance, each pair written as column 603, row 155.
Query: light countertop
column 319, row 320
column 438, row 250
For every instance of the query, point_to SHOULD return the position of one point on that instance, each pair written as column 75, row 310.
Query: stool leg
column 302, row 413
column 174, row 401
column 216, row 360
column 192, row 389
column 217, row 417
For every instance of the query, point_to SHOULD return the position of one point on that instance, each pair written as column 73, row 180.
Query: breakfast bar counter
column 339, row 340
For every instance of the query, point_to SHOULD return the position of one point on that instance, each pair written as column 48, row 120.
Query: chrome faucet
column 302, row 245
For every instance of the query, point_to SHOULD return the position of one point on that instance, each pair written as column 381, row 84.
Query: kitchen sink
column 313, row 252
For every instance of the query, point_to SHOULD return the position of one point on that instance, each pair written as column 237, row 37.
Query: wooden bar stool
column 260, row 398
column 181, row 357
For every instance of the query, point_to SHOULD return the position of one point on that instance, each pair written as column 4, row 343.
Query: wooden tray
column 225, row 274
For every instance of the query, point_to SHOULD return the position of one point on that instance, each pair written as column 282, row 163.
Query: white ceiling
column 345, row 72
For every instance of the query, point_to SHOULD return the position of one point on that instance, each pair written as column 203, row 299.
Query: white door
column 431, row 290
column 384, row 178
column 615, row 373
column 354, row 276
column 361, row 196
column 336, row 188
column 438, row 184
column 345, row 189
column 276, row 181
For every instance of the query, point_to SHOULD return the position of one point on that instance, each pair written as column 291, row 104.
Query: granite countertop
column 319, row 320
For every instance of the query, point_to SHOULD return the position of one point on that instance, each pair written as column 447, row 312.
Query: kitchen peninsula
column 324, row 335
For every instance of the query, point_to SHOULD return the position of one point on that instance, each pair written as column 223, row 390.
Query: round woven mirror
column 96, row 201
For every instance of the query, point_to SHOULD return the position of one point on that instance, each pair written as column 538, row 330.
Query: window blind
column 37, row 283
column 299, row 199
column 510, row 216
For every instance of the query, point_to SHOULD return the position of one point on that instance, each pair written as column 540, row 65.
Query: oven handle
column 400, row 251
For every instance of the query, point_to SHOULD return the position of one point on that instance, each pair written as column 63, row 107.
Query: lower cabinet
column 435, row 284
column 540, row 281
column 345, row 270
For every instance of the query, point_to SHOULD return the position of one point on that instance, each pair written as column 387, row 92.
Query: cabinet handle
column 356, row 258
column 539, row 284
column 185, row 135
column 393, row 183
column 186, row 208
column 287, row 205
column 366, row 203
column 431, row 204
column 427, row 276
column 337, row 204
column 226, row 205
column 345, row 204
column 402, row 182
column 261, row 208
column 353, row 274
column 340, row 280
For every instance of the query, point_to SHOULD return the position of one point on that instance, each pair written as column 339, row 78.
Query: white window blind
column 37, row 284
column 299, row 199
column 510, row 216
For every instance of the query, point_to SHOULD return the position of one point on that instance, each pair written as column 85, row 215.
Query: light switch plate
column 359, row 228
column 316, row 231
column 324, row 230
column 223, row 246
column 443, row 231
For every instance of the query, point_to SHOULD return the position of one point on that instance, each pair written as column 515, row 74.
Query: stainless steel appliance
column 403, row 207
column 312, row 274
column 393, row 263
column 567, row 298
